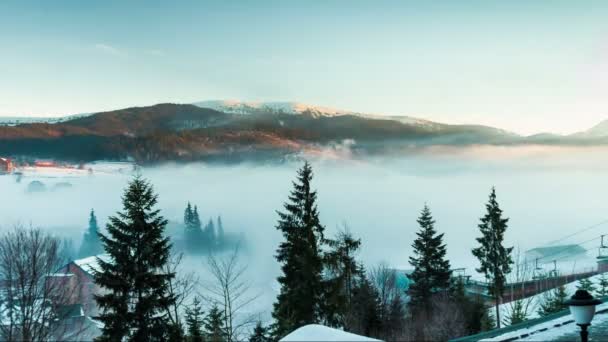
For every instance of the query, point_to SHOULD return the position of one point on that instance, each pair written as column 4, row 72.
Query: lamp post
column 582, row 307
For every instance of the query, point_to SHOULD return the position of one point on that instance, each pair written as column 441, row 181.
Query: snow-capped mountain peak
column 295, row 108
column 244, row 107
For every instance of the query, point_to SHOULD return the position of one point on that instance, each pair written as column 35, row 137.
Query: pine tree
column 259, row 334
column 214, row 325
column 342, row 271
column 134, row 298
column 299, row 300
column 517, row 314
column 91, row 244
column 194, row 321
column 196, row 219
column 431, row 268
column 553, row 301
column 586, row 284
column 363, row 317
column 603, row 286
column 495, row 259
column 188, row 215
column 210, row 239
column 477, row 317
column 221, row 239
column 193, row 231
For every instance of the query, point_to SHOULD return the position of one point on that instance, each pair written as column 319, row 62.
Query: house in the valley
column 6, row 165
column 76, row 284
column 73, row 289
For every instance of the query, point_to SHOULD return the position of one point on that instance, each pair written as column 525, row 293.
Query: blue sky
column 527, row 66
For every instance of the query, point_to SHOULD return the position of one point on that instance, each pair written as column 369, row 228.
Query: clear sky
column 526, row 66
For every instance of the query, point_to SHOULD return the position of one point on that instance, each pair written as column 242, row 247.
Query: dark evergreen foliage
column 431, row 268
column 477, row 318
column 299, row 300
column 364, row 315
column 587, row 285
column 209, row 235
column 134, row 298
column 193, row 232
column 260, row 334
column 495, row 259
column 195, row 321
column 91, row 244
column 553, row 301
column 214, row 329
column 221, row 238
column 341, row 271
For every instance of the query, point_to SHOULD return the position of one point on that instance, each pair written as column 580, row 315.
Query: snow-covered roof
column 561, row 328
column 317, row 332
column 90, row 264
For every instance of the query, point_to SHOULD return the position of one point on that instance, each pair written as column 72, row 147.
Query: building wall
column 81, row 289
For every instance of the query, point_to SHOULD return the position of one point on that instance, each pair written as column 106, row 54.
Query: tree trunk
column 497, row 314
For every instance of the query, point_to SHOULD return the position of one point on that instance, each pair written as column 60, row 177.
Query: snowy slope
column 295, row 108
column 317, row 332
column 534, row 301
column 599, row 130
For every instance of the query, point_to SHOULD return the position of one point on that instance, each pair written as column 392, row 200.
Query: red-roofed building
column 6, row 165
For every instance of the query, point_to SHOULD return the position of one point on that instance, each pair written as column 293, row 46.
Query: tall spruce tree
column 214, row 328
column 431, row 268
column 301, row 259
column 134, row 298
column 495, row 259
column 195, row 321
column 341, row 272
column 188, row 213
column 193, row 231
column 91, row 244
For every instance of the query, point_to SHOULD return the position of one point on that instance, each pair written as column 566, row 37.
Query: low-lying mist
column 546, row 192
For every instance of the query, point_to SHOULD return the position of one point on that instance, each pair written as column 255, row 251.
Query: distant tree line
column 200, row 239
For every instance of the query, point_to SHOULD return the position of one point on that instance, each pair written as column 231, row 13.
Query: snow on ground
column 535, row 301
column 317, row 332
column 550, row 330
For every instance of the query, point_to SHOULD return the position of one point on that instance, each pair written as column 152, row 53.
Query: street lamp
column 582, row 307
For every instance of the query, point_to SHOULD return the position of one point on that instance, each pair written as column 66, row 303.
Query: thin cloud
column 109, row 49
column 154, row 52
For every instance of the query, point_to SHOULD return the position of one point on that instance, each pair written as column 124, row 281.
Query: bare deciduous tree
column 519, row 308
column 230, row 291
column 180, row 287
column 31, row 294
column 384, row 279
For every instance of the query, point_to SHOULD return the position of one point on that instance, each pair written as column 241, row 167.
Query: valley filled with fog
column 547, row 193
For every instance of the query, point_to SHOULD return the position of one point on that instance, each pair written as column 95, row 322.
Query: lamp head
column 582, row 307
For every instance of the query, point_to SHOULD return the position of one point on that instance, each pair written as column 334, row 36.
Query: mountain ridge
column 185, row 132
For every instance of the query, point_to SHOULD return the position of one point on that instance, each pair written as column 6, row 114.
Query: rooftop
column 556, row 327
